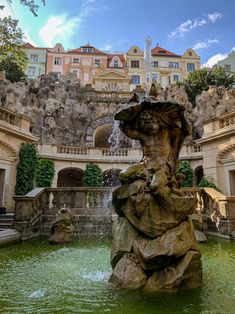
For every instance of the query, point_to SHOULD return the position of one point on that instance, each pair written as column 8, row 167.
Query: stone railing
column 112, row 95
column 90, row 153
column 14, row 120
column 227, row 120
column 35, row 211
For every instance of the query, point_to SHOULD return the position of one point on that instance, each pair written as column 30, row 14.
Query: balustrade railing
column 9, row 117
column 73, row 150
column 227, row 120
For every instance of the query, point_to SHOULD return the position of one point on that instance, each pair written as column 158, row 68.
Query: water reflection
column 37, row 278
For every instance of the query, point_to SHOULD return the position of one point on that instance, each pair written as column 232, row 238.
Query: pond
column 36, row 277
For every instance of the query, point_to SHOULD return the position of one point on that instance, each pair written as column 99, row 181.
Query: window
column 34, row 57
column 135, row 64
column 135, row 79
column 135, row 50
column 87, row 49
column 32, row 71
column 97, row 62
column 58, row 60
column 115, row 64
column 176, row 78
column 190, row 67
column 190, row 53
column 174, row 65
column 155, row 76
column 58, row 75
column 227, row 67
column 75, row 60
column 75, row 73
column 155, row 64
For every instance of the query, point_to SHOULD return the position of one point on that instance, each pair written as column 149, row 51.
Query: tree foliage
column 11, row 41
column 208, row 182
column 186, row 170
column 200, row 80
column 14, row 73
column 30, row 4
column 44, row 173
column 93, row 176
column 26, row 169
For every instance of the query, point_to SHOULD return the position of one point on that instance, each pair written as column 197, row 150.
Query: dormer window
column 87, row 49
column 115, row 63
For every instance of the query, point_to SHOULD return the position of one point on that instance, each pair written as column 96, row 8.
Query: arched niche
column 102, row 134
column 70, row 177
column 111, row 177
column 197, row 175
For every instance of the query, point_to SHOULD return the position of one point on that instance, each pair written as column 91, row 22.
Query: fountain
column 154, row 246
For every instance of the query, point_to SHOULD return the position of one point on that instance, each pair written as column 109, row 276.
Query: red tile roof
column 29, row 46
column 121, row 57
column 159, row 51
column 79, row 50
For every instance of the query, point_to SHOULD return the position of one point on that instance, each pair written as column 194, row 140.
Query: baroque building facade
column 116, row 71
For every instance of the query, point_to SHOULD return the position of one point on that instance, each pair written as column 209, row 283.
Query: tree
column 208, row 182
column 14, row 73
column 30, row 4
column 44, row 173
column 200, row 80
column 93, row 176
column 26, row 169
column 11, row 41
column 186, row 170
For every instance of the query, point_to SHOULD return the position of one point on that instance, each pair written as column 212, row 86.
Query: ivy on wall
column 26, row 168
column 32, row 171
column 208, row 182
column 44, row 173
column 93, row 176
column 186, row 170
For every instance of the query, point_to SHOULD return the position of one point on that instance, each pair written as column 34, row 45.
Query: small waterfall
column 115, row 137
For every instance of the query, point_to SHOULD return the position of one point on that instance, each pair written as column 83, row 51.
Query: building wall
column 36, row 62
column 136, row 54
column 228, row 63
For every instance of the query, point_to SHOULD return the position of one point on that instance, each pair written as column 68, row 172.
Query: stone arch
column 111, row 177
column 93, row 126
column 197, row 175
column 70, row 177
column 102, row 134
column 227, row 153
column 7, row 150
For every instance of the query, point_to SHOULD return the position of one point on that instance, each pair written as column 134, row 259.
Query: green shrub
column 186, row 170
column 93, row 176
column 45, row 173
column 208, row 182
column 26, row 168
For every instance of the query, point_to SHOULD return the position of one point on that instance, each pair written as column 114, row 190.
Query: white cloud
column 205, row 44
column 6, row 11
column 213, row 17
column 106, row 47
column 28, row 39
column 214, row 59
column 60, row 28
column 188, row 25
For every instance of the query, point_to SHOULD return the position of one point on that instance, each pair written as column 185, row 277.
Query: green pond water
column 36, row 277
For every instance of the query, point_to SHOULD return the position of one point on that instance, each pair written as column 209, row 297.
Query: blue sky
column 208, row 26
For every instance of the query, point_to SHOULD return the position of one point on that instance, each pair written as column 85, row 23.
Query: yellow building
column 135, row 67
column 168, row 67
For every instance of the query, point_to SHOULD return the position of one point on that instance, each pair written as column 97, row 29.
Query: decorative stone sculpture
column 62, row 230
column 154, row 245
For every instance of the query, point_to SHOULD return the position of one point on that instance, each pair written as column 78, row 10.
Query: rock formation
column 62, row 230
column 154, row 245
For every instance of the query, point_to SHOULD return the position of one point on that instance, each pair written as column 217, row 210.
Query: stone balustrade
column 14, row 120
column 94, row 214
column 227, row 120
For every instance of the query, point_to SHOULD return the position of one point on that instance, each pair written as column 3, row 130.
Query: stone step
column 8, row 236
column 6, row 225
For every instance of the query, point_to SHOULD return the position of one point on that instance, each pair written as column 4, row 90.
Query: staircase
column 6, row 221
